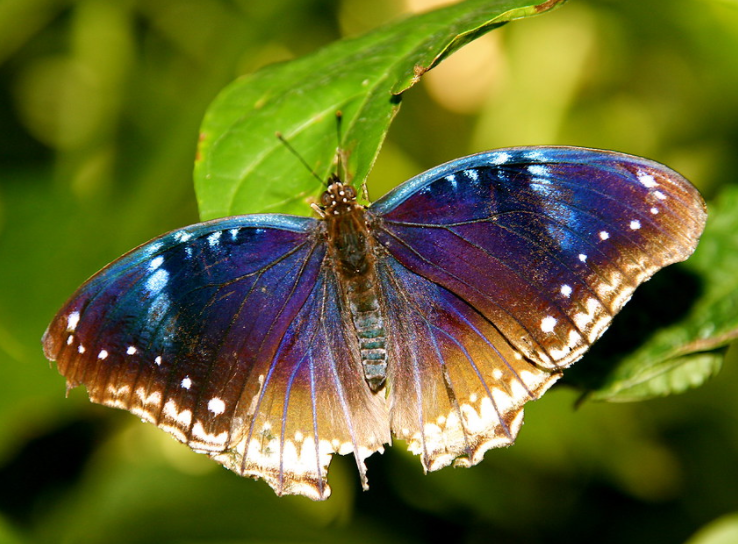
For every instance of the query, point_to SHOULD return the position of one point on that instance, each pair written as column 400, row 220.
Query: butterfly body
column 272, row 342
column 353, row 255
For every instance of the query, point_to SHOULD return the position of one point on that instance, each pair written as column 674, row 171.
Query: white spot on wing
column 153, row 248
column 548, row 323
column 214, row 239
column 81, row 348
column 533, row 155
column 103, row 354
column 131, row 350
column 471, row 174
column 116, row 393
column 647, row 180
column 654, row 211
column 566, row 290
column 210, row 441
column 581, row 320
column 70, row 339
column 72, row 321
column 583, row 257
column 157, row 281
column 604, row 235
column 500, row 158
column 182, row 236
column 558, row 354
column 158, row 360
column 538, row 170
column 635, row 225
column 156, row 262
column 659, row 195
column 183, row 418
column 148, row 399
column 216, row 405
column 186, row 382
column 234, row 233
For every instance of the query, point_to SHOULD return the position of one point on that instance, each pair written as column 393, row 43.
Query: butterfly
column 271, row 342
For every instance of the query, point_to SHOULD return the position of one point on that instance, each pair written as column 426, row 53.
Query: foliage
column 240, row 166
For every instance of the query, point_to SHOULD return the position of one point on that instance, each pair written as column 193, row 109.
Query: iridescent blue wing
column 500, row 269
column 228, row 335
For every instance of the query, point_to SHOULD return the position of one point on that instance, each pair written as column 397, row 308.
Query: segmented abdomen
column 366, row 314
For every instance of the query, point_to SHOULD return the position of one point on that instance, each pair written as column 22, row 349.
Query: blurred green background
column 100, row 103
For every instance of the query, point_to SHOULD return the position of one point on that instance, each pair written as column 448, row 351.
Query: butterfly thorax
column 352, row 254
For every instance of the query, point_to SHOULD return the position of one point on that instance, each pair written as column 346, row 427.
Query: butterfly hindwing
column 459, row 386
column 313, row 402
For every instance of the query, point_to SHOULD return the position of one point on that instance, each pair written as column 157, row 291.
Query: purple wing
column 227, row 334
column 501, row 269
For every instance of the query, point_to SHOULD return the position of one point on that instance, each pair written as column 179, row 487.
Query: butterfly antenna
column 342, row 157
column 341, row 163
column 299, row 157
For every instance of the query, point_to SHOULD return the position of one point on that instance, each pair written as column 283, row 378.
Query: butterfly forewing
column 227, row 334
column 517, row 260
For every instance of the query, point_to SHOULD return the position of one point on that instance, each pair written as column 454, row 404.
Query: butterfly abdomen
column 353, row 259
column 366, row 315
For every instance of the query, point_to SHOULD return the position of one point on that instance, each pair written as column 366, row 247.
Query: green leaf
column 243, row 168
column 690, row 349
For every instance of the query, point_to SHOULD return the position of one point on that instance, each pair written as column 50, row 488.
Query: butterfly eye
column 349, row 193
column 326, row 199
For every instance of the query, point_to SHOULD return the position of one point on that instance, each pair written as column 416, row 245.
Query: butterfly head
column 338, row 199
